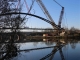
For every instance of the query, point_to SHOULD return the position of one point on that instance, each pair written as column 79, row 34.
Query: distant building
column 62, row 34
column 44, row 35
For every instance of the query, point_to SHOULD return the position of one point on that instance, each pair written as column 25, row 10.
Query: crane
column 42, row 6
column 61, row 14
column 62, row 31
column 55, row 26
column 48, row 15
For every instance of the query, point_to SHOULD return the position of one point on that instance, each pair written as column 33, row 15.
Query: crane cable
column 29, row 9
column 27, row 6
column 31, row 5
column 66, row 19
column 57, row 3
column 18, row 4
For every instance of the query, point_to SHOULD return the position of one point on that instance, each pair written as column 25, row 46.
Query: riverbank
column 53, row 37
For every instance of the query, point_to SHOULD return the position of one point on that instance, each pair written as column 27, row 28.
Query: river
column 46, row 49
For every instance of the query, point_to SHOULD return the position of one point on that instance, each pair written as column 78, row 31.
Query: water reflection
column 8, row 51
column 58, row 46
column 51, row 47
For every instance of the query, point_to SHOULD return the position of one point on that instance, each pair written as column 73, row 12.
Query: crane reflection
column 58, row 47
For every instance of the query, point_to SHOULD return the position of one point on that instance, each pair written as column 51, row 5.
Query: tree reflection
column 48, row 42
column 8, row 49
column 35, row 43
column 11, row 51
column 73, row 44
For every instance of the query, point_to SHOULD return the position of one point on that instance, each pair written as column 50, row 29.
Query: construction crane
column 60, row 18
column 48, row 15
column 42, row 6
column 61, row 14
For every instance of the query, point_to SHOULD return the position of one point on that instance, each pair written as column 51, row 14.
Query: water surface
column 63, row 50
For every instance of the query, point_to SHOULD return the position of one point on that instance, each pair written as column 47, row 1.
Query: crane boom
column 46, row 12
column 61, row 16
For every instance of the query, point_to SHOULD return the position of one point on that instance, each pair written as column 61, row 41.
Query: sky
column 71, row 16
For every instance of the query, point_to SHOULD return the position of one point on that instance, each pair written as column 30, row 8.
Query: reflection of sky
column 69, row 52
column 73, row 54
column 30, row 45
column 33, row 55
